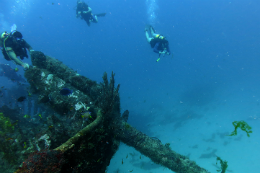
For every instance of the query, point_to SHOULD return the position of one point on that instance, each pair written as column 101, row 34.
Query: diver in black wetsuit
column 14, row 45
column 85, row 12
column 158, row 42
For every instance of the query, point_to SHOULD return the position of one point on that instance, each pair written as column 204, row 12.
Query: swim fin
column 147, row 27
column 101, row 14
column 13, row 28
column 151, row 29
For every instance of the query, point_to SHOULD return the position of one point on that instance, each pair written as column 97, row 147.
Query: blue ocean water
column 188, row 99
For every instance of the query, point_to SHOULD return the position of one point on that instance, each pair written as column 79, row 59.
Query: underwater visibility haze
column 201, row 101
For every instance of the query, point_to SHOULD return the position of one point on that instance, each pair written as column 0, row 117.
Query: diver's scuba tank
column 13, row 27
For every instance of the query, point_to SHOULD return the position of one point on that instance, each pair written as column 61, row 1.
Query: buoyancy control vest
column 163, row 43
column 17, row 43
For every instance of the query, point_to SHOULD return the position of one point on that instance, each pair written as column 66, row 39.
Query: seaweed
column 7, row 128
column 223, row 164
column 43, row 161
column 6, row 125
column 127, row 126
column 243, row 126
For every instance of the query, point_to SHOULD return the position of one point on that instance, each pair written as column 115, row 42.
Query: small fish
column 131, row 171
column 98, row 159
column 122, row 161
column 21, row 99
column 52, row 3
column 24, row 145
column 8, row 123
column 126, row 156
column 40, row 115
column 2, row 86
column 140, row 157
column 15, row 123
column 8, row 139
column 51, row 126
column 27, row 116
column 29, row 94
column 66, row 92
column 16, row 69
column 86, row 114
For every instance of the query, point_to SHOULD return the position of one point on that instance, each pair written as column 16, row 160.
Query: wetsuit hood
column 17, row 35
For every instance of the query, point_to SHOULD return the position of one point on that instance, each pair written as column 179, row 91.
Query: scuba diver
column 158, row 42
column 85, row 12
column 14, row 45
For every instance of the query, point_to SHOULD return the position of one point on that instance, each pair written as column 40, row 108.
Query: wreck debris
column 91, row 148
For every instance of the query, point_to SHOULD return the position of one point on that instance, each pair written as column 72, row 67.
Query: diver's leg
column 152, row 31
column 88, row 22
column 95, row 19
column 14, row 58
column 147, row 37
column 78, row 14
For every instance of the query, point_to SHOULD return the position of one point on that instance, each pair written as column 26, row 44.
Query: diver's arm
column 89, row 10
column 15, row 59
column 155, row 48
column 12, row 56
column 27, row 46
